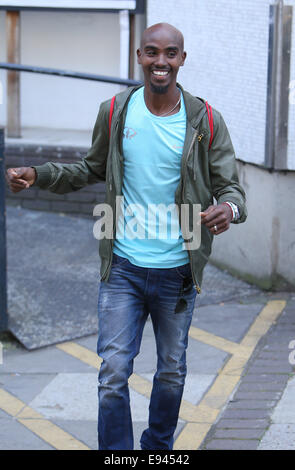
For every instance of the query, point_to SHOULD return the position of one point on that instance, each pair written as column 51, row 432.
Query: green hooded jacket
column 204, row 173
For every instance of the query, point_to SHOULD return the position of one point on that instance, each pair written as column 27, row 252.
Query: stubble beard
column 159, row 89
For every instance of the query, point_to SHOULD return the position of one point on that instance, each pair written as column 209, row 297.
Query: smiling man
column 161, row 151
column 160, row 60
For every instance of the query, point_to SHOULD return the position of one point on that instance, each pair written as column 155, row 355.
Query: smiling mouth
column 160, row 73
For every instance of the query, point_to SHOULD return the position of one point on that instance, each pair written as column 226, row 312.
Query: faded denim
column 125, row 301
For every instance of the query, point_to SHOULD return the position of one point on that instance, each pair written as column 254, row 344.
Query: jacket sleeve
column 223, row 168
column 62, row 178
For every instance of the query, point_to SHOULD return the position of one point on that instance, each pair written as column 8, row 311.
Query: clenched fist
column 20, row 178
column 217, row 218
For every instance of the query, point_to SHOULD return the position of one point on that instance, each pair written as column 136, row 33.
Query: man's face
column 160, row 55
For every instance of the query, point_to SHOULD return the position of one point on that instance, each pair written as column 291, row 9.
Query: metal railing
column 13, row 88
column 69, row 74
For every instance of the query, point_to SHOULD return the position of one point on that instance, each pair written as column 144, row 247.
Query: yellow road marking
column 43, row 428
column 193, row 436
column 213, row 340
column 229, row 377
column 222, row 388
column 200, row 413
column 81, row 353
column 10, row 404
column 55, row 436
column 29, row 413
column 263, row 322
column 199, row 417
column 140, row 385
column 188, row 411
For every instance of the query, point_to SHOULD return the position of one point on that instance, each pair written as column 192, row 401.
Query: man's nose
column 161, row 60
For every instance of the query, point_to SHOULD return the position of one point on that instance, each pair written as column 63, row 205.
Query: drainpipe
column 279, row 58
column 124, row 44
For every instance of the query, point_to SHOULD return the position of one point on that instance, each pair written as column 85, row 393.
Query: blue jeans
column 125, row 301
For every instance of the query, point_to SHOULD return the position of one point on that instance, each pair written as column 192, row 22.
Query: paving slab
column 284, row 412
column 68, row 396
column 47, row 360
column 84, row 431
column 25, row 386
column 215, row 318
column 231, row 444
column 278, row 437
column 195, row 387
column 235, row 424
column 14, row 436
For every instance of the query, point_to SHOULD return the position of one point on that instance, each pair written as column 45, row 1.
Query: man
column 156, row 153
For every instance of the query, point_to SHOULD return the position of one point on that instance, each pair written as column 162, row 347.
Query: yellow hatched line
column 263, row 322
column 10, row 404
column 49, row 432
column 193, row 434
column 213, row 340
column 201, row 417
column 139, row 384
column 80, row 352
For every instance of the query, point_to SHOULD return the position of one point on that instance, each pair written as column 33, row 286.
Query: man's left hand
column 217, row 218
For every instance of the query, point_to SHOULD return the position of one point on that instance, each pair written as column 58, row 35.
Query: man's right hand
column 20, row 178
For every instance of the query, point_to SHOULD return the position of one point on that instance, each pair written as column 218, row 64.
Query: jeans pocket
column 118, row 260
column 184, row 271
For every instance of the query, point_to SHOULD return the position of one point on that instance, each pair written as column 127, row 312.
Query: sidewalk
column 238, row 390
column 260, row 414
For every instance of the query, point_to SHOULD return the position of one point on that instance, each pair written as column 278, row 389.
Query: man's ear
column 138, row 53
column 183, row 56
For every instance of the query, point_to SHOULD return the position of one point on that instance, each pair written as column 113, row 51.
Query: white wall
column 262, row 249
column 84, row 42
column 227, row 46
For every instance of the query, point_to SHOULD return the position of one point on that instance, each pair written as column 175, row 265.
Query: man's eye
column 150, row 53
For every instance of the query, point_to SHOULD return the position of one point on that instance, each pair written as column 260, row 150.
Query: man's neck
column 159, row 103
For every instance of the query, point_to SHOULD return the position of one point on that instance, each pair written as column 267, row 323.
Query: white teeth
column 157, row 72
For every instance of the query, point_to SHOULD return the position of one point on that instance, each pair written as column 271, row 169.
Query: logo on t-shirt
column 129, row 133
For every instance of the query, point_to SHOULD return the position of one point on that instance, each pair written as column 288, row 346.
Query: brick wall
column 76, row 203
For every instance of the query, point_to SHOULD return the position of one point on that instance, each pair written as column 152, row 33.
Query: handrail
column 68, row 73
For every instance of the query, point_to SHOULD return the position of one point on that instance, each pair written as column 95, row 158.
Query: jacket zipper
column 114, row 214
column 183, row 186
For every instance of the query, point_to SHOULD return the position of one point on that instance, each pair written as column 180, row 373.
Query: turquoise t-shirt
column 148, row 231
